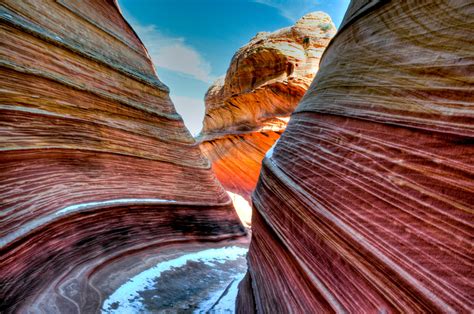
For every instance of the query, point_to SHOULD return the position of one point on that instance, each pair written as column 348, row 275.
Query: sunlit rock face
column 94, row 161
column 247, row 111
column 365, row 204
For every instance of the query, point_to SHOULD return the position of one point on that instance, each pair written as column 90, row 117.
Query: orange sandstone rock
column 248, row 109
column 366, row 204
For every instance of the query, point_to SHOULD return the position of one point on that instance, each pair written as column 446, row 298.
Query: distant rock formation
column 247, row 111
column 366, row 204
column 94, row 161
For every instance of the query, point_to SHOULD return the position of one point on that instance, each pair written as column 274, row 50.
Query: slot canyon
column 334, row 171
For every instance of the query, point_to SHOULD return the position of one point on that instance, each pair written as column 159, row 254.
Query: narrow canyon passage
column 348, row 155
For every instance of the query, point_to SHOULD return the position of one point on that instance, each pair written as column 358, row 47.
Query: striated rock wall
column 366, row 202
column 248, row 109
column 94, row 161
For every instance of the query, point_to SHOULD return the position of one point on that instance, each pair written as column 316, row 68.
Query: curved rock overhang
column 366, row 202
column 95, row 162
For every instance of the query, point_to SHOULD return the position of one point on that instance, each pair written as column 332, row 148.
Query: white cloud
column 192, row 110
column 292, row 10
column 172, row 53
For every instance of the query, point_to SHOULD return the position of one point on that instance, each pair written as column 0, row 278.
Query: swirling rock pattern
column 247, row 111
column 366, row 204
column 94, row 161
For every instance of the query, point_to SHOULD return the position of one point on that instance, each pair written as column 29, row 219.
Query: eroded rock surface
column 94, row 161
column 366, row 203
column 248, row 109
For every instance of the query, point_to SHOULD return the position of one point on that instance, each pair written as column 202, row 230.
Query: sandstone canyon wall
column 366, row 202
column 247, row 111
column 94, row 160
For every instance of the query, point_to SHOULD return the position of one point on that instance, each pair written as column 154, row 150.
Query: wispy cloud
column 172, row 53
column 292, row 10
column 192, row 111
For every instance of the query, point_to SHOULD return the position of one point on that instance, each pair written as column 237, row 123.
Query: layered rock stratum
column 248, row 109
column 95, row 163
column 366, row 202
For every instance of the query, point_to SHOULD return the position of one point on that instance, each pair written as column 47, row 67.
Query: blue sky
column 191, row 42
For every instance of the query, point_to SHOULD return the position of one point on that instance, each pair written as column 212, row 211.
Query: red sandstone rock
column 366, row 204
column 248, row 109
column 94, row 161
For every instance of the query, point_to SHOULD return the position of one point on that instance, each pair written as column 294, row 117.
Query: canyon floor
column 199, row 280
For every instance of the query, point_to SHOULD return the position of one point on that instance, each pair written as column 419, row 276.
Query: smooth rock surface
column 247, row 111
column 95, row 162
column 366, row 202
